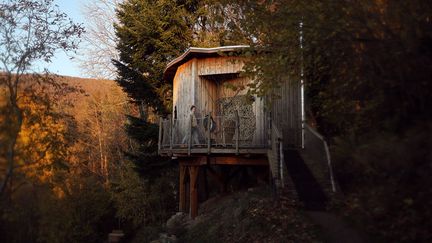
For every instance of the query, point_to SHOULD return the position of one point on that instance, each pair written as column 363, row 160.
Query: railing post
column 281, row 162
column 237, row 132
column 269, row 132
column 208, row 133
column 171, row 133
column 190, row 135
column 160, row 135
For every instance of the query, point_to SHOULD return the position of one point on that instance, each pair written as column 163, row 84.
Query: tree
column 30, row 31
column 219, row 23
column 150, row 34
column 101, row 137
column 366, row 67
column 99, row 46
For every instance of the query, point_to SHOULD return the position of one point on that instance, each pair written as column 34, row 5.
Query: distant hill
column 105, row 94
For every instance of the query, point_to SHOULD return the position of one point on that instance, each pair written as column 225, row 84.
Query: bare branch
column 99, row 46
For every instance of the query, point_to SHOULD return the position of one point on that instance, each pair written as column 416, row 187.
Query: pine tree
column 150, row 34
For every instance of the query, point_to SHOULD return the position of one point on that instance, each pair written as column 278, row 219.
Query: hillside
column 245, row 216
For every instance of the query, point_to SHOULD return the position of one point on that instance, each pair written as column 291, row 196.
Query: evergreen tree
column 366, row 66
column 152, row 33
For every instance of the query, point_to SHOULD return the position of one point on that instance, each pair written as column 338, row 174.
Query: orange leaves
column 41, row 142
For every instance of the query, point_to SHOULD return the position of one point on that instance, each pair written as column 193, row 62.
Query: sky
column 61, row 63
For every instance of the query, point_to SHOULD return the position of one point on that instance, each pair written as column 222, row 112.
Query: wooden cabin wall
column 219, row 65
column 207, row 91
column 191, row 87
column 183, row 97
column 260, row 136
column 286, row 112
column 206, row 96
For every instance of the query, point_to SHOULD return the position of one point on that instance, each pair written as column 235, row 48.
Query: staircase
column 309, row 190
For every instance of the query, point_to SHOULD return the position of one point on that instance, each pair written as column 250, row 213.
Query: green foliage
column 30, row 31
column 363, row 63
column 150, row 34
column 142, row 202
column 387, row 181
column 79, row 211
column 83, row 214
column 366, row 67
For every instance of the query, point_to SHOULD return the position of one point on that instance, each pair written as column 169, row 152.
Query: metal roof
column 193, row 52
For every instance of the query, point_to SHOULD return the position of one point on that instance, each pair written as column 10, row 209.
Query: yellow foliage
column 41, row 141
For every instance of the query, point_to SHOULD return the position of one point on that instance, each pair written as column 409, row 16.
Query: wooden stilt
column 206, row 190
column 182, row 189
column 193, row 173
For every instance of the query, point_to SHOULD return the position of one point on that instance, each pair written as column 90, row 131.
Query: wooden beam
column 171, row 123
column 237, row 132
column 182, row 189
column 160, row 135
column 206, row 189
column 193, row 173
column 190, row 135
column 204, row 151
column 193, row 161
column 208, row 133
column 228, row 160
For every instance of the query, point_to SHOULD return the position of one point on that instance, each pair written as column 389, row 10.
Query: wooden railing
column 233, row 133
column 320, row 148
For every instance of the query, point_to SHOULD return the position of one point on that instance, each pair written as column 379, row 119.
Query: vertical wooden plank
column 208, row 133
column 171, row 124
column 190, row 135
column 182, row 188
column 237, row 132
column 194, row 78
column 206, row 189
column 193, row 173
column 160, row 134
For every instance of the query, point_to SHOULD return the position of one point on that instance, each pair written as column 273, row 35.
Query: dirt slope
column 248, row 216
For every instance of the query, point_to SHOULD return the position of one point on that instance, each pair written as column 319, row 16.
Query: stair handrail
column 277, row 148
column 327, row 151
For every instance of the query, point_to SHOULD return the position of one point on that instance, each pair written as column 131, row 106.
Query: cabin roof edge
column 192, row 52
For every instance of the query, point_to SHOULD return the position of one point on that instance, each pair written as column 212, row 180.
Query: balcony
column 229, row 134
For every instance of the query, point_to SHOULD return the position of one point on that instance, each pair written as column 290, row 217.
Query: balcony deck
column 229, row 136
column 184, row 151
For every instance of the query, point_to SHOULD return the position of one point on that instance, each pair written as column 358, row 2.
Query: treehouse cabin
column 227, row 127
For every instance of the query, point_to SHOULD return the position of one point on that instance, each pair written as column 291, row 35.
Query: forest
column 79, row 156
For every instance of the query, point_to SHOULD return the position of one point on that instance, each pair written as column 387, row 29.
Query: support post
column 171, row 124
column 281, row 163
column 269, row 128
column 208, row 133
column 193, row 174
column 182, row 188
column 190, row 135
column 237, row 132
column 206, row 190
column 160, row 135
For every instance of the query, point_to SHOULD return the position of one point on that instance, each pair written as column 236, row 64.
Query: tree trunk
column 10, row 155
column 143, row 111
